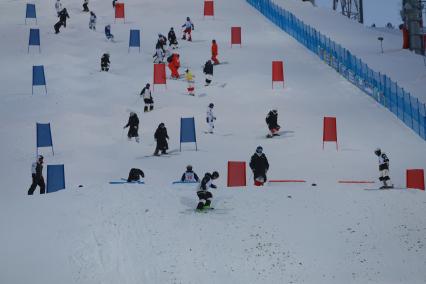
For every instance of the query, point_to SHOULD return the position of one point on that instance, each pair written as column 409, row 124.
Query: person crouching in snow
column 215, row 52
column 147, row 98
column 161, row 137
column 260, row 166
column 271, row 121
column 208, row 70
column 133, row 125
column 384, row 169
column 108, row 33
column 189, row 77
column 92, row 21
column 105, row 62
column 188, row 27
column 135, row 175
column 174, row 65
column 189, row 175
column 203, row 193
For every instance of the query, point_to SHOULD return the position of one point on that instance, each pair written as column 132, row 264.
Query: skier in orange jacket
column 174, row 65
column 214, row 52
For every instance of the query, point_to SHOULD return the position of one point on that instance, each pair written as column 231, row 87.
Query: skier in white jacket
column 58, row 6
column 210, row 117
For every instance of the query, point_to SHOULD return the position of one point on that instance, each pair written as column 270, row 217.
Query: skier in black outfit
column 161, row 42
column 208, row 70
column 260, row 166
column 85, row 5
column 105, row 62
column 135, row 175
column 173, row 43
column 161, row 137
column 147, row 98
column 203, row 194
column 189, row 175
column 37, row 176
column 133, row 125
column 63, row 15
column 383, row 168
column 271, row 121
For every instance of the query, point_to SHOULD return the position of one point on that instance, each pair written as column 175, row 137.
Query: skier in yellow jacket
column 189, row 77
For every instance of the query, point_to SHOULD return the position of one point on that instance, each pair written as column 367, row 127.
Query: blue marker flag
column 55, row 178
column 187, row 131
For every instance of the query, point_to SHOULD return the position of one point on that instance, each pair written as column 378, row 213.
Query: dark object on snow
column 208, row 68
column 161, row 137
column 105, row 62
column 37, row 176
column 271, row 119
column 135, row 175
column 314, row 184
column 85, row 6
column 113, row 3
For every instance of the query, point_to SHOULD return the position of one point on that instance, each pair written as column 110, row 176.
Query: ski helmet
column 147, row 85
column 171, row 28
column 274, row 111
column 211, row 105
column 215, row 175
column 189, row 168
column 259, row 150
column 187, row 18
column 40, row 157
column 161, row 125
column 378, row 152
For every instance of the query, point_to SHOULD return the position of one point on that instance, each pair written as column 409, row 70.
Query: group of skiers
column 258, row 162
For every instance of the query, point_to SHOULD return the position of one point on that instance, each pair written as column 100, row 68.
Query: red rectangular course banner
column 277, row 72
column 208, row 8
column 236, row 174
column 416, row 179
column 160, row 74
column 119, row 10
column 329, row 130
column 235, row 35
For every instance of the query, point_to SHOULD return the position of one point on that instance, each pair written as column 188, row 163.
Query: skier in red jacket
column 174, row 65
column 215, row 52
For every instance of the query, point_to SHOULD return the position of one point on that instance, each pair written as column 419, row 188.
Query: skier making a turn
column 173, row 43
column 203, row 193
column 108, row 33
column 383, row 168
column 260, row 166
column 37, row 176
column 271, row 121
column 189, row 175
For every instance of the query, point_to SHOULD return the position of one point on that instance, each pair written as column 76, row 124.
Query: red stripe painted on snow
column 287, row 180
column 355, row 181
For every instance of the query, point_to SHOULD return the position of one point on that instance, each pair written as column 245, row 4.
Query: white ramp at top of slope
column 402, row 66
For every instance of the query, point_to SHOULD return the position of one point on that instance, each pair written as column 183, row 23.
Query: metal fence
column 378, row 86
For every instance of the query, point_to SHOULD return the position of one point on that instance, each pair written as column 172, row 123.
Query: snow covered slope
column 102, row 233
column 402, row 66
